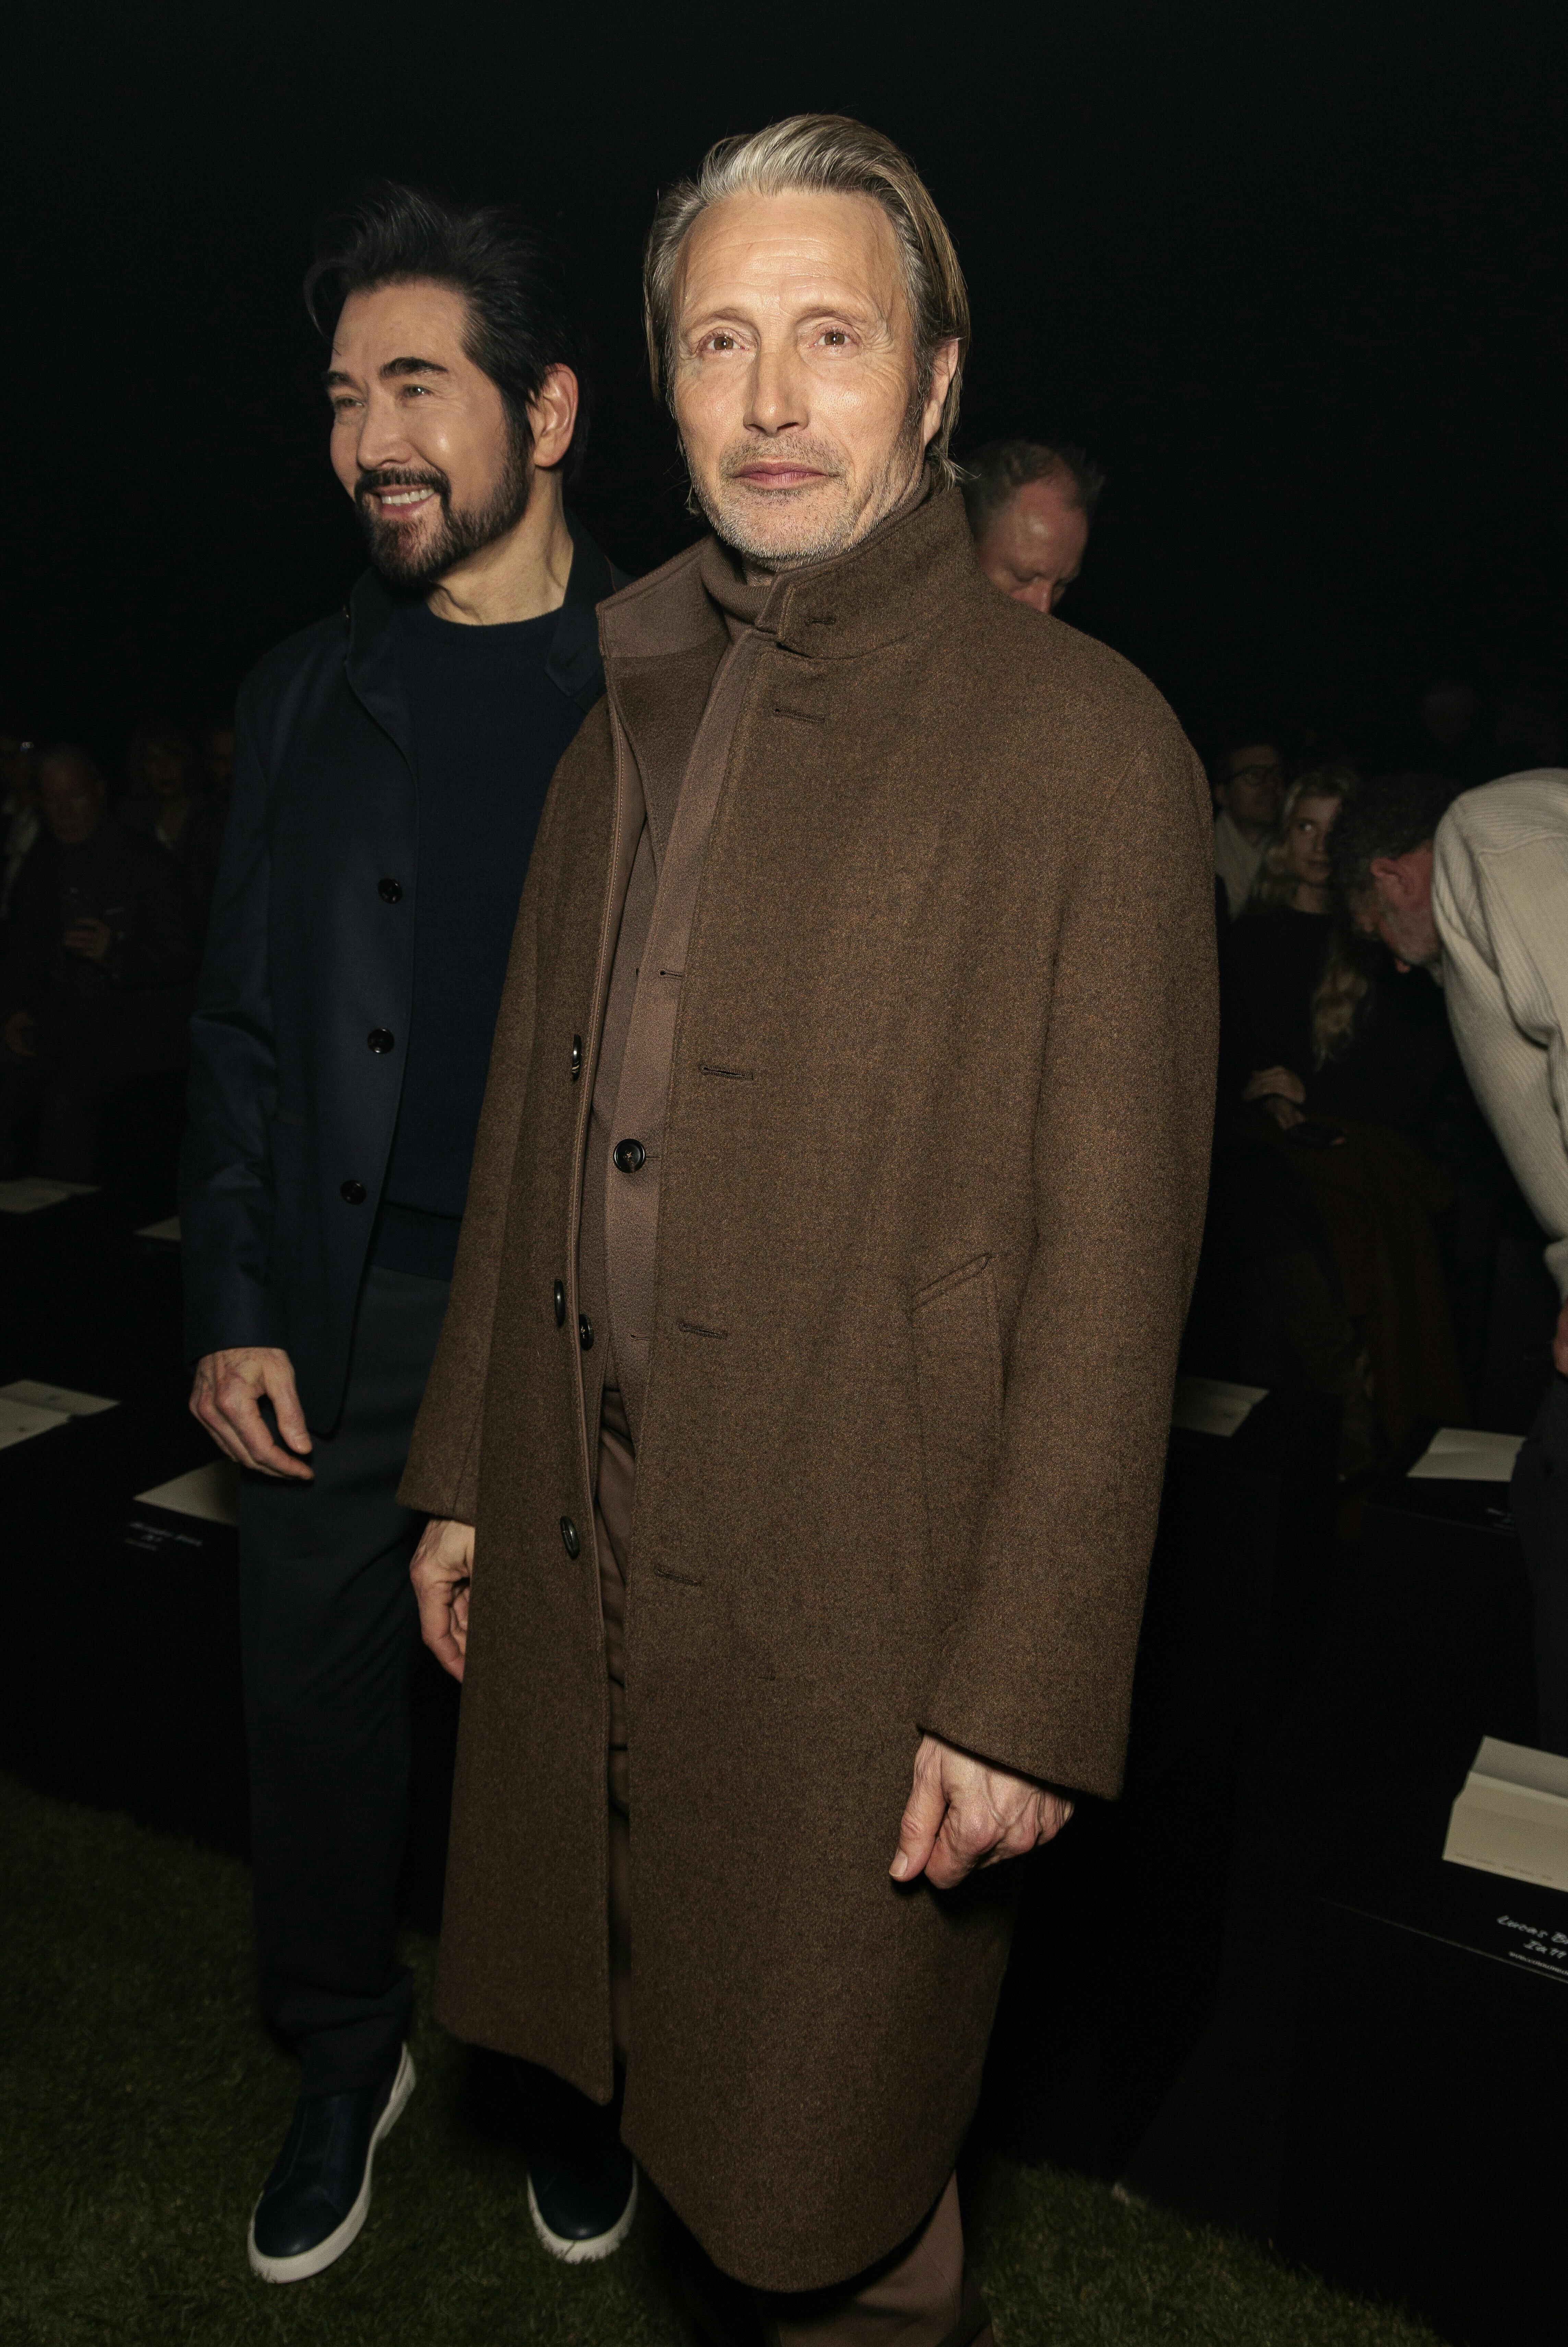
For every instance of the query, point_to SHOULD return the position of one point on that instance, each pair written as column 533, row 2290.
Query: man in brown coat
column 808, row 1363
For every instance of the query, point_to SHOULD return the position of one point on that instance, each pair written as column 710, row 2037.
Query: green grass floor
column 141, row 2102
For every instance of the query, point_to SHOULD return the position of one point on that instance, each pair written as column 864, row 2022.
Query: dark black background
column 1292, row 272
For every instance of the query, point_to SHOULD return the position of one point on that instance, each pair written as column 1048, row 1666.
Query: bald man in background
column 1029, row 508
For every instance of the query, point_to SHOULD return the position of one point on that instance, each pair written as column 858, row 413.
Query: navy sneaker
column 582, row 2200
column 318, row 2197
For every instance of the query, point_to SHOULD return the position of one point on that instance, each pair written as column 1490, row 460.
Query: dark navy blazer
column 310, row 950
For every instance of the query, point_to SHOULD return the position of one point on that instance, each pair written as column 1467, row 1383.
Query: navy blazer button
column 390, row 891
column 585, row 1332
column 353, row 1193
column 568, row 1535
column 576, row 1057
column 560, row 1303
column 379, row 1039
column 629, row 1156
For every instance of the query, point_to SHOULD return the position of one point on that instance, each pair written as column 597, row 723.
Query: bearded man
column 391, row 768
column 807, row 1370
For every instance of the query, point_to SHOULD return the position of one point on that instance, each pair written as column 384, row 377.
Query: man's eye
column 834, row 335
column 720, row 342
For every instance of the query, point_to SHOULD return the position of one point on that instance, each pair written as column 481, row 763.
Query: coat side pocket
column 959, row 1374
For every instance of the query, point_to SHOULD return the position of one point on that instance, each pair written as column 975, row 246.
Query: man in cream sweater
column 1478, row 895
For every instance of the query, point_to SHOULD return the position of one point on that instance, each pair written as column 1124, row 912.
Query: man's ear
column 1390, row 877
column 552, row 416
column 944, row 366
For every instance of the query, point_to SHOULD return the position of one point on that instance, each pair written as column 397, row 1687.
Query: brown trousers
column 920, row 2295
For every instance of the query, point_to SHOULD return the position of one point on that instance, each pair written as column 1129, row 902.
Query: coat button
column 576, row 1057
column 380, row 1040
column 569, row 1535
column 390, row 891
column 585, row 1332
column 353, row 1193
column 560, row 1303
column 630, row 1155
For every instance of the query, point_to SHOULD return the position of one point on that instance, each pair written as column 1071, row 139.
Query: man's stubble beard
column 730, row 520
column 458, row 536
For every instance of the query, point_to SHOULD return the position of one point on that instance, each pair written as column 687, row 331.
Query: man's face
column 1033, row 548
column 421, row 439
column 163, row 772
column 796, row 388
column 1398, row 907
column 69, row 798
column 1254, row 786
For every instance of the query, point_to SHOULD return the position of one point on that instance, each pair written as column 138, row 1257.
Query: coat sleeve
column 225, row 1173
column 1037, row 1670
column 442, row 1474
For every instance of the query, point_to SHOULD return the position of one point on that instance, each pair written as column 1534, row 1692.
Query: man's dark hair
column 998, row 471
column 522, row 319
column 1391, row 815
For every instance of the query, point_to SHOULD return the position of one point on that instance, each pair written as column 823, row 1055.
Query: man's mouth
column 778, row 476
column 399, row 500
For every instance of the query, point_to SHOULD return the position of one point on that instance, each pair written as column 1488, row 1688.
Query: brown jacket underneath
column 932, row 1179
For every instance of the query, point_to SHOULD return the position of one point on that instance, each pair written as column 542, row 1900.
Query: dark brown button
column 568, row 1535
column 390, row 891
column 585, row 1332
column 353, row 1193
column 560, row 1303
column 380, row 1040
column 576, row 1057
column 629, row 1156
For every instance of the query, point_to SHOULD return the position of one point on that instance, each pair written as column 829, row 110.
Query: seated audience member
column 1312, row 1017
column 19, row 816
column 1248, row 784
column 1477, row 892
column 100, row 960
column 1351, row 1067
column 166, row 797
column 1030, row 509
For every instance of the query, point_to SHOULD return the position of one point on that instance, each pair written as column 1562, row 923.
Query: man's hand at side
column 962, row 1813
column 442, row 1571
column 227, row 1396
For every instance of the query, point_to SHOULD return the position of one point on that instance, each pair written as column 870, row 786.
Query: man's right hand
column 227, row 1395
column 442, row 1573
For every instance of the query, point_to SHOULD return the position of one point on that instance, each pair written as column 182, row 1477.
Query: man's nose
column 383, row 436
column 1038, row 594
column 778, row 400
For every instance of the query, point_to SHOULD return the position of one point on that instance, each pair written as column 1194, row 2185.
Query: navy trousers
column 330, row 1633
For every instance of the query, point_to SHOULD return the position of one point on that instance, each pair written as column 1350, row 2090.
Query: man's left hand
column 962, row 1814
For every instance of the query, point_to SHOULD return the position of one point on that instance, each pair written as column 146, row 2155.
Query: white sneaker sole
column 327, row 2252
column 598, row 2245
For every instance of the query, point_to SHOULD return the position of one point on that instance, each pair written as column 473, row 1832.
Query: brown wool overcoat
column 934, row 1174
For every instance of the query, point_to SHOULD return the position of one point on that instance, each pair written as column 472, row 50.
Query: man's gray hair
column 827, row 154
column 997, row 472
